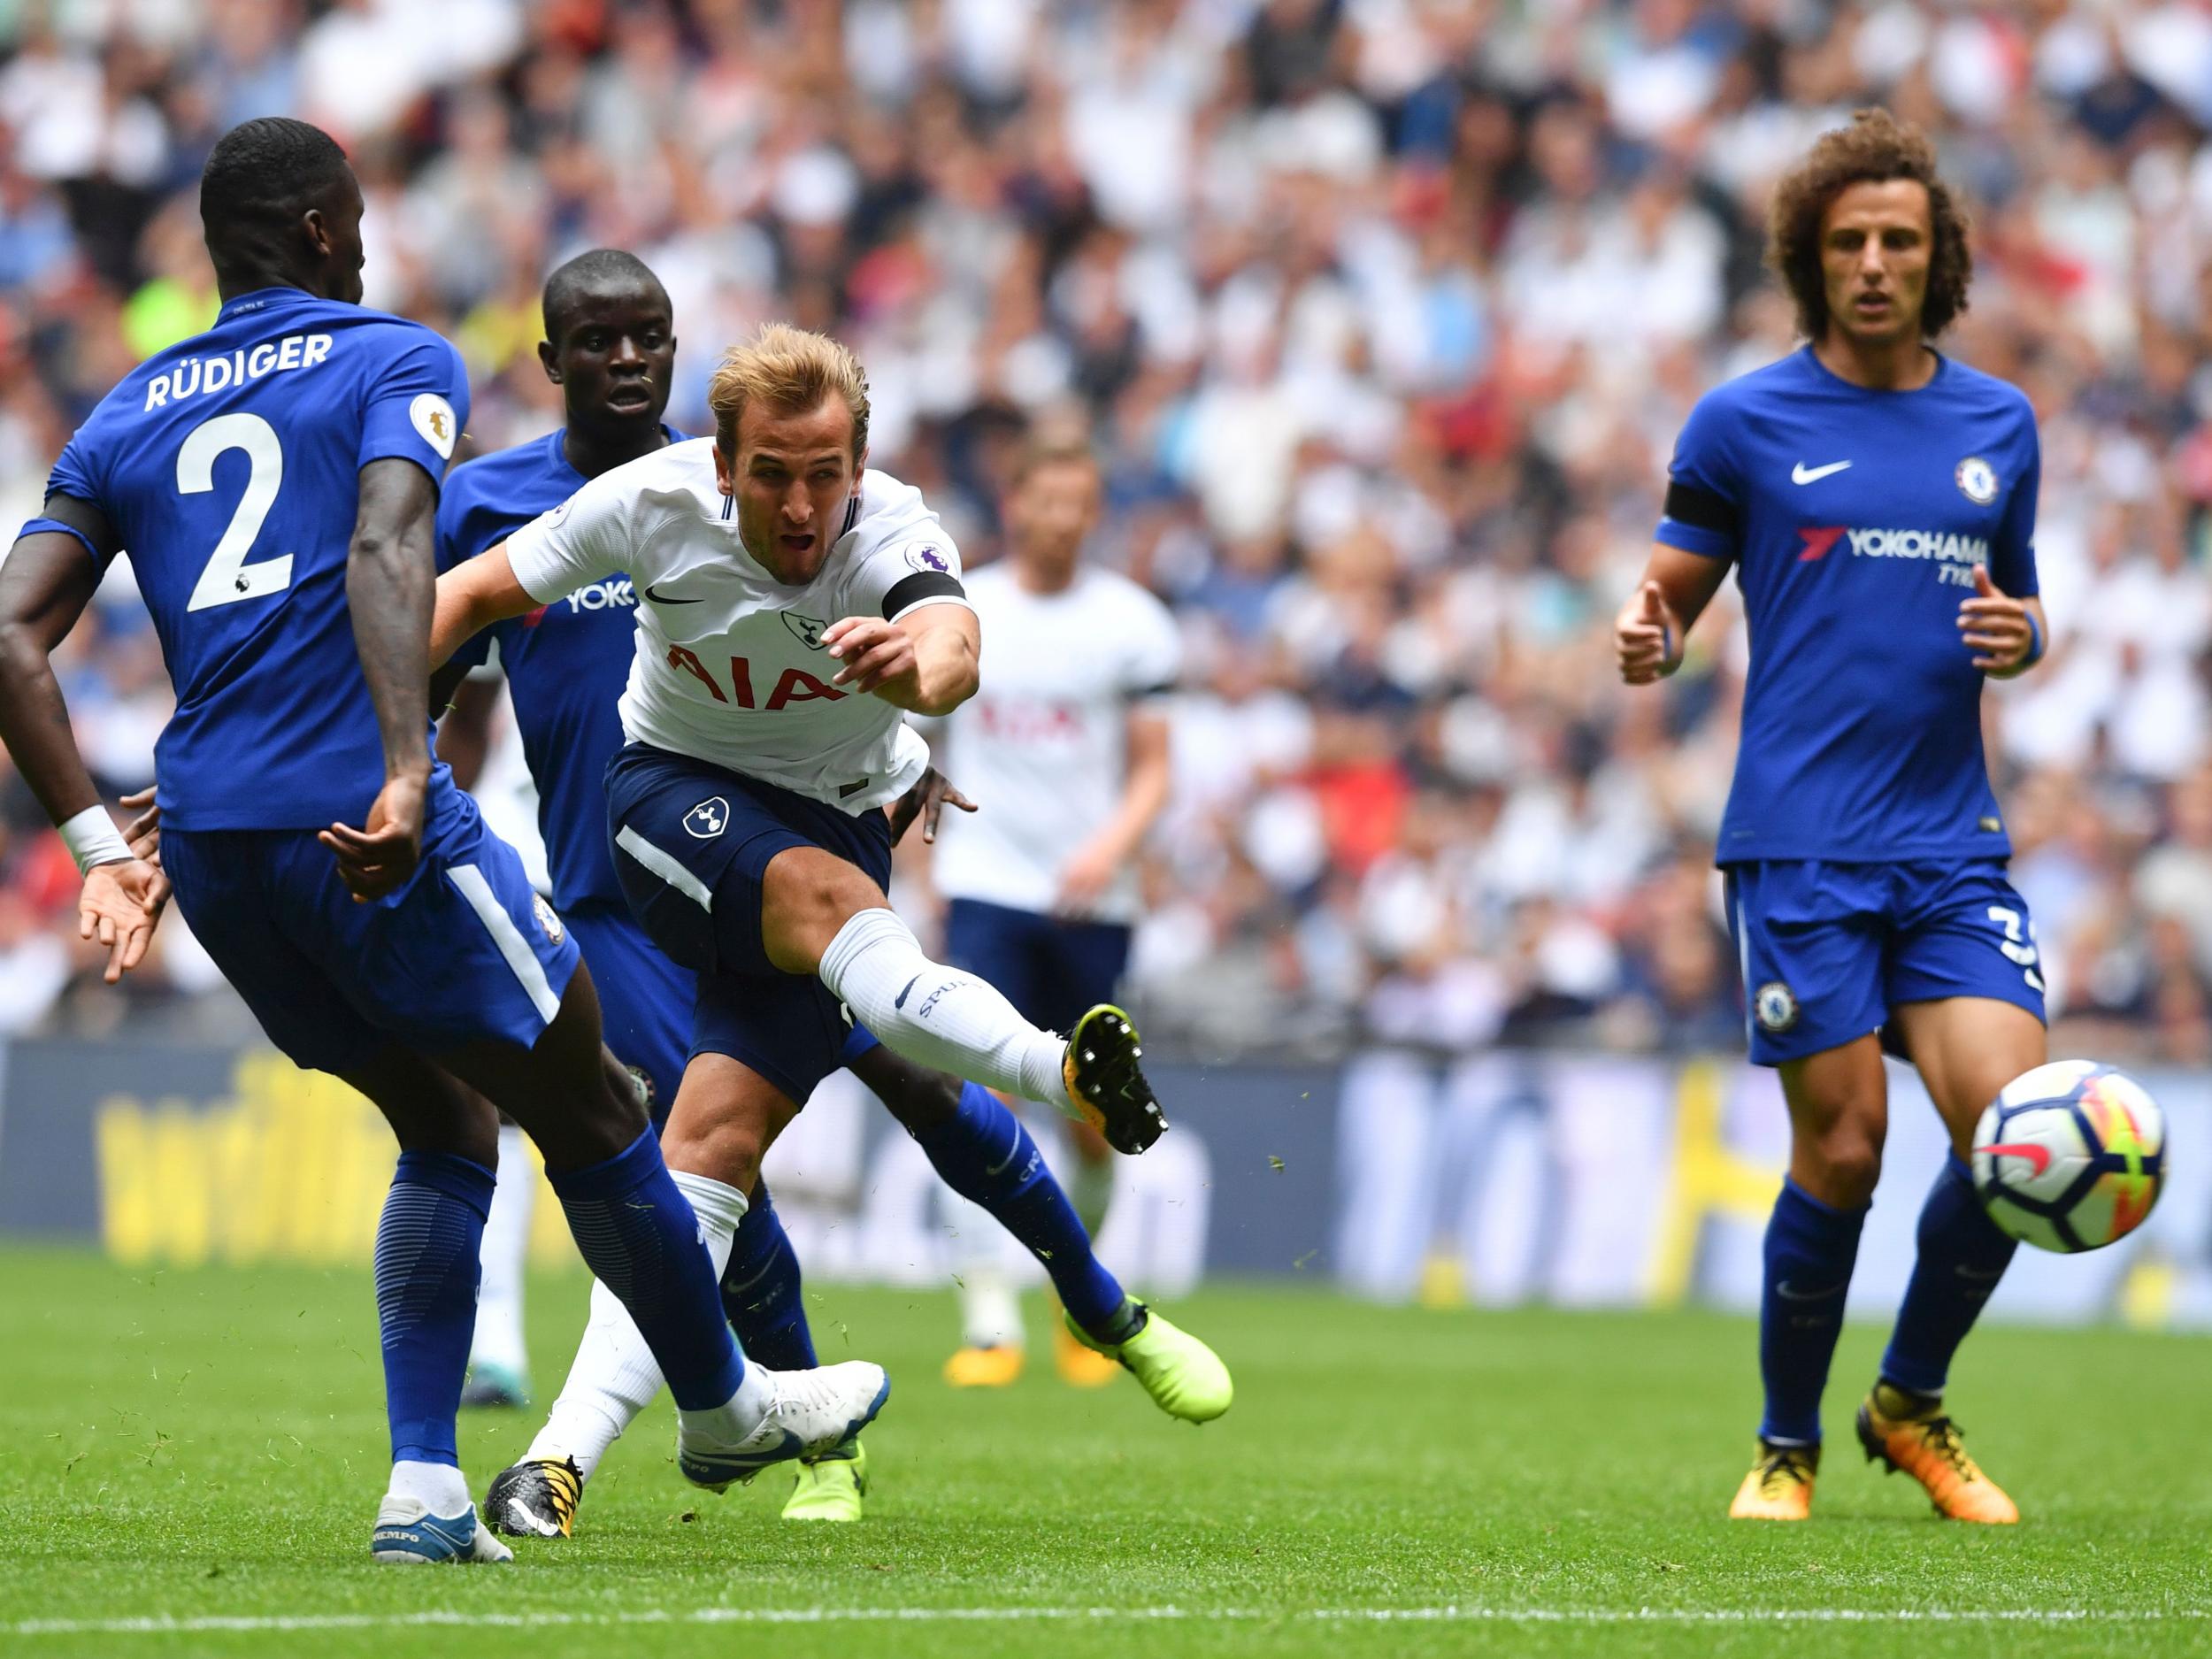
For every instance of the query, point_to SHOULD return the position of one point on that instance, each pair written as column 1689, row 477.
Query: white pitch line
column 1451, row 1613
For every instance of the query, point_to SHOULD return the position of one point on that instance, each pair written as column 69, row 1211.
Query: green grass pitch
column 189, row 1462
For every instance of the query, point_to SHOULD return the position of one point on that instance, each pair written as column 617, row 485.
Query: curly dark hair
column 1877, row 147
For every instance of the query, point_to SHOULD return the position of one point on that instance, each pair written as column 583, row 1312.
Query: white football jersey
column 1041, row 749
column 730, row 665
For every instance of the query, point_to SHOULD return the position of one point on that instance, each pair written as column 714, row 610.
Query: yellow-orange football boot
column 1780, row 1487
column 1912, row 1434
column 993, row 1367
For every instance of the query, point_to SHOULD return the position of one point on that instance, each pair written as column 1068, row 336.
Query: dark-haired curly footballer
column 1876, row 501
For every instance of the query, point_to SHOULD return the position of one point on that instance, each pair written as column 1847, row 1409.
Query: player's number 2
column 228, row 578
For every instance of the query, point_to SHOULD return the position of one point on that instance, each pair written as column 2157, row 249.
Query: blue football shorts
column 646, row 1000
column 1829, row 950
column 463, row 952
column 693, row 843
column 1052, row 970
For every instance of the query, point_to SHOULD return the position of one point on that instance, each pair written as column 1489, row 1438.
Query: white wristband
column 92, row 839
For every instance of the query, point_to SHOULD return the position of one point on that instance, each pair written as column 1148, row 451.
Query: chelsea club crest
column 1976, row 481
column 1776, row 1006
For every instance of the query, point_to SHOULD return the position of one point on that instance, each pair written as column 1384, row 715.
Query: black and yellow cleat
column 1780, row 1487
column 535, row 1498
column 1106, row 1083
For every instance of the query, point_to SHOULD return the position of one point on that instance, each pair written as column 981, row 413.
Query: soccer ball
column 2071, row 1156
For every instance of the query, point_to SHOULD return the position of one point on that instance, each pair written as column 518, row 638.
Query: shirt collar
column 264, row 300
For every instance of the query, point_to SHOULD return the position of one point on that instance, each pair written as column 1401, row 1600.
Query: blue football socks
column 1810, row 1249
column 1963, row 1255
column 640, row 1238
column 426, row 1245
column 983, row 1154
column 762, row 1293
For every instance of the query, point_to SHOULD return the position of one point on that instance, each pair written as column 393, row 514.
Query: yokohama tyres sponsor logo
column 1892, row 544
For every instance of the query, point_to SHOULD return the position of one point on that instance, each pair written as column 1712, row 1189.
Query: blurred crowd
column 1385, row 313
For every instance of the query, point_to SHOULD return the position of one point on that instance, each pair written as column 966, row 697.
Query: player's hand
column 119, row 907
column 878, row 657
column 144, row 832
column 1994, row 626
column 1084, row 880
column 378, row 858
column 1645, row 637
column 143, row 835
column 926, row 800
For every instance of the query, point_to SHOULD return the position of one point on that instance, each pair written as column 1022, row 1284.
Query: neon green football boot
column 830, row 1486
column 1184, row 1378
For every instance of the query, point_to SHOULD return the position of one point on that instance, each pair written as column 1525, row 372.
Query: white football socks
column 939, row 1016
column 614, row 1376
column 498, row 1341
column 440, row 1487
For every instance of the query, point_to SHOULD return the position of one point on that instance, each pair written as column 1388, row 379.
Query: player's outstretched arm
column 473, row 595
column 925, row 662
column 1648, row 634
column 45, row 583
column 391, row 567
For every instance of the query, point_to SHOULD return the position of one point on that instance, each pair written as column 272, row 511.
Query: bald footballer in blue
column 273, row 482
column 1875, row 500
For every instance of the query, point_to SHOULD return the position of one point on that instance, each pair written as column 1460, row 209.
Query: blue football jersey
column 229, row 466
column 566, row 663
column 1855, row 519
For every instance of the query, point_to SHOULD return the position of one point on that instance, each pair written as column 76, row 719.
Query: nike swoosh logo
column 672, row 599
column 2039, row 1157
column 1784, row 1291
column 1803, row 474
column 901, row 1000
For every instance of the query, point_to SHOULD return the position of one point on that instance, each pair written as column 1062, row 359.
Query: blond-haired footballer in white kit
column 796, row 607
column 1065, row 747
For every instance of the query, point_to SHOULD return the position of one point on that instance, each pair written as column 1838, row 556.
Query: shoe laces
column 1783, row 1466
column 1945, row 1439
column 564, row 1489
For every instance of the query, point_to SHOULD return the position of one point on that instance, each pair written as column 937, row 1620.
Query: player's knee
column 624, row 1107
column 1847, row 1155
column 924, row 1099
column 807, row 896
column 729, row 1152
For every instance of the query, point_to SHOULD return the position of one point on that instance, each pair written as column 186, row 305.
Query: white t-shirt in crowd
column 1041, row 749
column 730, row 665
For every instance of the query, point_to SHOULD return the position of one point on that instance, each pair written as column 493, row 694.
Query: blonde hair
column 792, row 371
